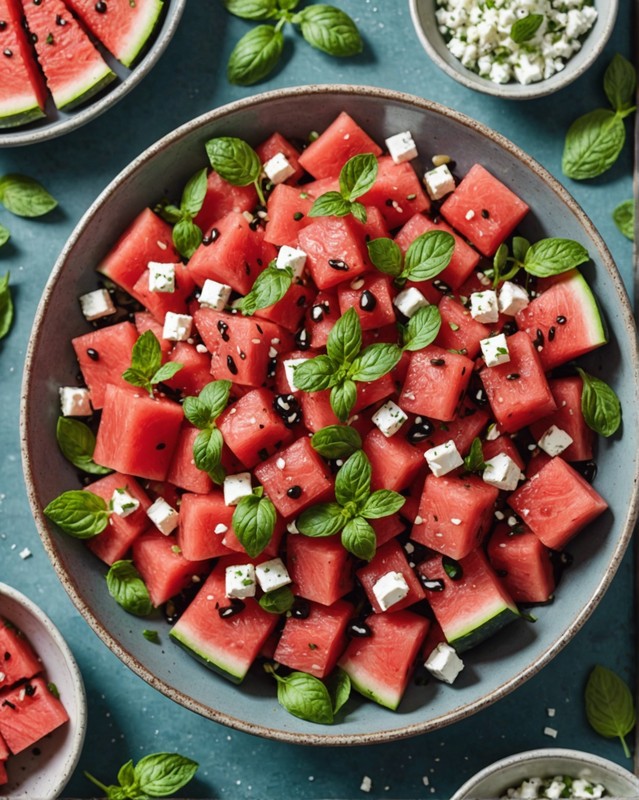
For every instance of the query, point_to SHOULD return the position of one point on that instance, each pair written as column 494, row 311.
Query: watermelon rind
column 140, row 34
column 487, row 622
column 592, row 314
column 20, row 112
column 217, row 659
column 364, row 683
column 78, row 92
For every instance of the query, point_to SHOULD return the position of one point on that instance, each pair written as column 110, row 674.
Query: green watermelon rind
column 370, row 688
column 216, row 659
column 10, row 118
column 141, row 34
column 597, row 328
column 80, row 91
column 483, row 625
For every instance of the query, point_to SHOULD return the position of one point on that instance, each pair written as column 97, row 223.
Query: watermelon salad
column 335, row 424
column 62, row 48
column 30, row 708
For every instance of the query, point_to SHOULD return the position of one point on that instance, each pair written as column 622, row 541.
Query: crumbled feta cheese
column 289, row 371
column 123, row 503
column 409, row 301
column 272, row 575
column 96, row 305
column 439, row 182
column 220, row 528
column 390, row 589
column 75, row 401
column 177, row 327
column 552, row 732
column 444, row 458
column 25, row 553
column 293, row 258
column 483, row 306
column 554, row 441
column 366, row 784
column 214, row 295
column 163, row 516
column 495, row 350
column 401, row 147
column 512, row 298
column 240, row 581
column 444, row 663
column 236, row 487
column 161, row 277
column 278, row 169
column 502, row 472
column 493, row 432
column 389, row 418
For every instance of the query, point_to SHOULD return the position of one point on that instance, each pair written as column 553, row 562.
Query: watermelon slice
column 123, row 27
column 17, row 659
column 27, row 713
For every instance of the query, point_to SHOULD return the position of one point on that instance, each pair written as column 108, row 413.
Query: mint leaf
column 330, row 204
column 342, row 399
column 194, row 194
column 251, row 9
column 166, row 372
column 375, row 361
column 79, row 513
column 315, row 374
column 620, row 81
column 422, row 328
column 599, row 405
column 162, row 774
column 187, row 237
column 358, row 537
column 520, row 247
column 624, row 218
column 345, row 339
column 324, row 519
column 610, row 706
column 357, row 176
column 428, row 255
column 254, row 522
column 336, row 441
column 146, row 364
column 128, row 589
column 554, row 256
column 279, row 601
column 6, row 306
column 25, row 197
column 330, row 30
column 255, row 55
column 474, row 461
column 339, row 686
column 5, row 235
column 151, row 636
column 359, row 212
column 207, row 452
column 270, row 286
column 77, row 443
column 524, row 29
column 386, row 256
column 203, row 410
column 304, row 696
column 382, row 503
column 593, row 144
column 353, row 481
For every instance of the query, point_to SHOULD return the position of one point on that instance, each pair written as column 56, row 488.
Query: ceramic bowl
column 493, row 669
column 423, row 16
column 494, row 780
column 57, row 122
column 45, row 772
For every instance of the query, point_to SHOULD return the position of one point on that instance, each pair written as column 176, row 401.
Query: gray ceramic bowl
column 493, row 781
column 46, row 774
column 423, row 16
column 493, row 669
column 57, row 123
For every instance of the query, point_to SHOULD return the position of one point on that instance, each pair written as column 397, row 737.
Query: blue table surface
column 127, row 718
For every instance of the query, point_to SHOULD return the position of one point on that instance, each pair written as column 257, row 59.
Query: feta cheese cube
column 439, row 182
column 272, row 575
column 401, row 147
column 512, row 298
column 278, row 169
column 389, row 418
column 289, row 371
column 483, row 306
column 554, row 441
column 443, row 458
column 75, row 401
column 177, row 327
column 390, row 589
column 240, row 581
column 409, row 301
column 161, row 277
column 293, row 258
column 495, row 350
column 444, row 663
column 163, row 516
column 214, row 295
column 502, row 472
column 236, row 487
column 96, row 305
column 123, row 503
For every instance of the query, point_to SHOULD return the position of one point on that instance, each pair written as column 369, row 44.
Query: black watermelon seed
column 8, row 703
column 317, row 313
column 301, row 339
column 561, row 320
column 438, row 362
column 514, row 376
column 551, row 333
column 223, row 329
column 29, row 690
column 432, row 584
column 301, row 301
column 3, row 24
column 242, row 355
column 263, row 454
column 288, row 408
column 34, row 37
column 509, row 328
column 7, row 52
column 389, row 203
column 357, row 629
column 539, row 338
column 7, row 655
column 60, row 20
column 301, row 608
column 337, row 263
column 587, row 469
column 485, row 213
column 160, row 446
column 231, row 610
column 295, row 492
column 367, row 301
column 297, row 216
column 230, row 363
column 93, row 354
column 101, row 7
column 442, row 287
column 420, row 430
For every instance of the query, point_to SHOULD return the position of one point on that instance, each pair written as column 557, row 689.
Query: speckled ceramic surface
column 45, row 774
column 492, row 669
column 493, row 781
column 423, row 16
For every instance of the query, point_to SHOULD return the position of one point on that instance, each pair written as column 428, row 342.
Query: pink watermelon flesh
column 390, row 558
column 17, row 659
column 523, row 564
column 29, row 712
column 320, row 569
column 342, row 140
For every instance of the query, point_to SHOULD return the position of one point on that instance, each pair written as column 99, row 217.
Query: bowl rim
column 512, row 91
column 70, row 585
column 578, row 757
column 80, row 719
column 45, row 129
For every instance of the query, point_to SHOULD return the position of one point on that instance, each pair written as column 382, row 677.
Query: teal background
column 128, row 719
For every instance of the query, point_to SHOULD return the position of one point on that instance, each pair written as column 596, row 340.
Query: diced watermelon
column 469, row 423
column 290, row 310
column 390, row 558
column 223, row 198
column 333, row 251
column 271, row 550
column 275, row 144
column 394, row 461
column 320, row 318
column 4, row 752
column 459, row 331
column 342, row 140
column 22, row 90
column 569, row 418
column 317, row 409
column 436, row 383
column 523, row 564
column 370, row 296
column 321, row 569
column 19, row 662
column 183, row 471
column 397, row 192
column 387, row 528
column 195, row 372
column 27, row 713
column 204, row 519
column 288, row 208
column 159, row 303
column 502, row 444
column 144, row 321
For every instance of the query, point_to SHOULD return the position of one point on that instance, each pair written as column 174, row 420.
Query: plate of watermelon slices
column 278, row 527
column 64, row 62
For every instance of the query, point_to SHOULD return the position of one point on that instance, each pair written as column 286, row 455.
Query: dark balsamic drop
column 357, row 629
column 420, row 430
column 301, row 608
column 223, row 328
column 432, row 584
column 236, row 606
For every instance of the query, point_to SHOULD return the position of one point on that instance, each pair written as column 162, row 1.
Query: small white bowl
column 47, row 773
column 423, row 16
column 493, row 781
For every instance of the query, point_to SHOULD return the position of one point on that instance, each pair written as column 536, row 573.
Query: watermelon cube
column 159, row 303
column 342, row 140
column 321, row 317
column 4, row 752
column 503, row 444
column 195, row 372
column 27, row 713
column 397, row 193
column 144, row 321
column 333, row 249
column 276, row 143
column 318, row 412
column 387, row 528
column 221, row 199
column 390, row 558
column 523, row 564
column 436, row 383
column 182, row 471
column 290, row 310
column 370, row 296
column 459, row 331
column 19, row 660
column 321, row 569
column 394, row 462
column 569, row 418
column 288, row 208
column 204, row 520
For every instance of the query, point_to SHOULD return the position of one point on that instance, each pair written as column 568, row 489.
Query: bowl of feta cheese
column 516, row 49
column 550, row 773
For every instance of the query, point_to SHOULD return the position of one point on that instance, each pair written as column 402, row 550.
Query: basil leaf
column 315, row 374
column 330, row 204
column 554, row 256
column 279, row 601
column 382, row 503
column 146, row 356
column 386, row 256
column 375, row 361
column 342, row 399
column 520, row 247
column 166, row 372
column 162, row 774
column 137, row 378
column 359, row 212
column 25, row 197
column 339, row 686
column 77, row 443
column 169, row 212
column 254, row 522
column 269, row 288
column 234, row 160
column 203, row 410
column 599, row 405
column 151, row 636
column 255, row 55
column 336, row 441
column 79, row 513
column 353, row 481
column 624, row 217
column 358, row 537
column 593, row 144
column 345, row 339
column 474, row 461
column 620, row 81
column 524, row 29
column 500, row 260
column 5, row 235
column 187, row 237
column 6, row 306
column 609, row 705
column 330, row 30
column 251, row 9
column 194, row 194
column 324, row 519
column 128, row 589
column 422, row 328
column 207, row 450
column 126, row 775
column 428, row 255
column 357, row 176
column 288, row 5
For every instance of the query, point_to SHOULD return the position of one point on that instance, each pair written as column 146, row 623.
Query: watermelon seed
column 485, row 213
column 442, row 287
column 8, row 53
column 230, row 611
column 301, row 301
column 3, row 24
column 34, row 37
column 101, row 7
column 29, row 690
column 561, row 320
column 93, row 354
column 7, row 655
column 509, row 328
column 367, row 301
column 433, row 585
column 337, row 263
column 551, row 333
column 60, row 20
column 438, row 362
column 263, row 454
column 160, row 446
column 297, row 216
column 8, row 703
column 514, row 376
column 358, row 630
column 232, row 366
column 295, row 492
column 223, row 329
column 317, row 313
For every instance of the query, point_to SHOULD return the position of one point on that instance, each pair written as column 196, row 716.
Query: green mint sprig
column 524, row 29
column 25, row 197
column 624, row 218
column 146, row 368
column 354, row 505
column 545, row 258
column 202, row 412
column 428, row 255
column 77, row 443
column 599, row 405
column 127, row 588
column 187, row 236
column 270, row 286
column 610, row 707
column 336, row 441
column 355, row 178
column 257, row 53
column 6, row 306
column 422, row 328
column 595, row 140
column 254, row 521
column 79, row 513
column 279, row 601
column 344, row 365
column 308, row 698
column 236, row 162
column 155, row 775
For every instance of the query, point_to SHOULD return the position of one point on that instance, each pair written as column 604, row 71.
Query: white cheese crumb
column 495, row 350
column 278, row 169
column 96, row 305
column 163, row 516
column 554, row 441
column 401, row 147
column 214, row 295
column 444, row 663
column 501, row 472
column 240, row 581
column 291, row 257
column 177, row 327
column 272, row 575
column 161, row 277
column 552, row 732
column 220, row 528
column 439, row 182
column 236, row 487
column 551, row 712
column 389, row 418
column 366, row 784
column 409, row 301
column 390, row 589
column 122, row 503
column 483, row 306
column 25, row 553
column 75, row 401
column 512, row 298
column 443, row 458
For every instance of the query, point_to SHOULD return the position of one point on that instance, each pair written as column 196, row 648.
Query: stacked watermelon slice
column 58, row 47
